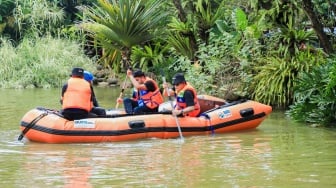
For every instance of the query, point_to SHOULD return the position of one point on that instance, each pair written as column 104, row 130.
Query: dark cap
column 178, row 78
column 138, row 73
column 77, row 72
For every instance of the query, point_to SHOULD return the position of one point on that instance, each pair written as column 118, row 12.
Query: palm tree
column 118, row 25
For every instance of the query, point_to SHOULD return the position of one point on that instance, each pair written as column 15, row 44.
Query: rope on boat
column 31, row 124
column 211, row 128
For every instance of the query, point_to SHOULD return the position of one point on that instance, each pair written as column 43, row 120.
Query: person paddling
column 186, row 97
column 146, row 95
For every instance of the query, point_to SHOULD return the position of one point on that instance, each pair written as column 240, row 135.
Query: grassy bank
column 40, row 63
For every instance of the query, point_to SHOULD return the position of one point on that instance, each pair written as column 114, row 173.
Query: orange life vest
column 181, row 104
column 152, row 99
column 77, row 95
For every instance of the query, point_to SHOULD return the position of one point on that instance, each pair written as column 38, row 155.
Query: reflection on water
column 280, row 153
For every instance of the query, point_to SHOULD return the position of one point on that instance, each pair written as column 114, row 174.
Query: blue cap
column 88, row 76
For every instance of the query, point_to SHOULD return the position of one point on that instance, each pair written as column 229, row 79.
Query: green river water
column 279, row 153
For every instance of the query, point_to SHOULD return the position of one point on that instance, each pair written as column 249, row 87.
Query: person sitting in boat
column 146, row 95
column 76, row 97
column 96, row 110
column 186, row 97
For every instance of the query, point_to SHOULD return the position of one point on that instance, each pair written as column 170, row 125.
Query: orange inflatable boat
column 48, row 126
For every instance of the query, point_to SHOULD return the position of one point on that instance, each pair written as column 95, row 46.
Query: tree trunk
column 317, row 26
column 333, row 6
column 126, row 58
column 180, row 10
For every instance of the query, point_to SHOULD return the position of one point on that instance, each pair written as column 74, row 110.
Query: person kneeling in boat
column 96, row 110
column 186, row 97
column 146, row 95
column 76, row 96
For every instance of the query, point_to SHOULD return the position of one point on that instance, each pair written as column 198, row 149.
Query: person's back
column 76, row 96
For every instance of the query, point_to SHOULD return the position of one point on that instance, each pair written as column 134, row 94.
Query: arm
column 134, row 82
column 93, row 98
column 64, row 88
column 166, row 88
column 189, row 98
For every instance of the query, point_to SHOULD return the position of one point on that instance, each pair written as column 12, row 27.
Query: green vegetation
column 315, row 96
column 43, row 63
column 277, row 52
column 119, row 25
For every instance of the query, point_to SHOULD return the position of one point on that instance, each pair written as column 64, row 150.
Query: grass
column 40, row 63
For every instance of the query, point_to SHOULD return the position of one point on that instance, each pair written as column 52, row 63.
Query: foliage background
column 40, row 63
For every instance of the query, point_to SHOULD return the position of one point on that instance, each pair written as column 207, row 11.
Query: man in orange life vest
column 146, row 95
column 186, row 97
column 76, row 96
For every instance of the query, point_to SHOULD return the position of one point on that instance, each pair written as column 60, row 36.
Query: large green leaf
column 240, row 19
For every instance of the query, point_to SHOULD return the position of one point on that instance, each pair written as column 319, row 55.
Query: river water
column 279, row 153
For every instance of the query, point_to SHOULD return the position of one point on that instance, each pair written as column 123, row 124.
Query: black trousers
column 74, row 114
column 132, row 107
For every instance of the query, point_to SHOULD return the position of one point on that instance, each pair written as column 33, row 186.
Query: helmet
column 88, row 76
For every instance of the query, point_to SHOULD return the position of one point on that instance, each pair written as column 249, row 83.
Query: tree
column 317, row 26
column 118, row 25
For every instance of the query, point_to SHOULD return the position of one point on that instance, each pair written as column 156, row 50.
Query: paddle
column 122, row 91
column 172, row 105
column 124, row 84
column 31, row 124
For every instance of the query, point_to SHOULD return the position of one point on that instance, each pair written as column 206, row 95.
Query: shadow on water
column 279, row 153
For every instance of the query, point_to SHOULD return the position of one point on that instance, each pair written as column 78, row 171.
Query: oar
column 31, row 124
column 124, row 85
column 172, row 105
column 122, row 92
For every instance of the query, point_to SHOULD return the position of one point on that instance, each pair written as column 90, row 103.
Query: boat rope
column 211, row 127
column 31, row 124
column 51, row 111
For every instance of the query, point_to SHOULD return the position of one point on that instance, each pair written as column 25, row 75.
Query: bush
column 216, row 71
column 315, row 92
column 42, row 63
